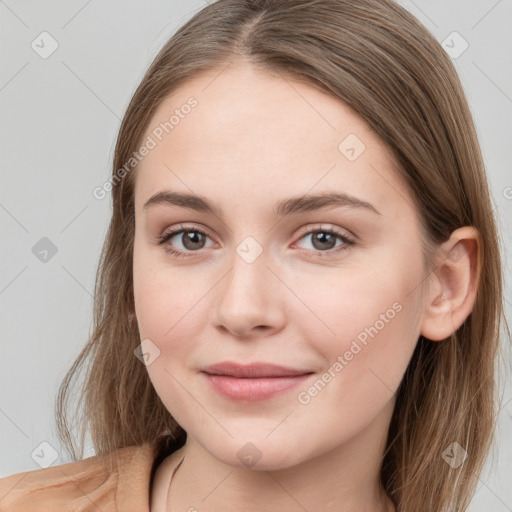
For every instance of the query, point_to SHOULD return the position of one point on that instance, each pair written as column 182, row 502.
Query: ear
column 452, row 285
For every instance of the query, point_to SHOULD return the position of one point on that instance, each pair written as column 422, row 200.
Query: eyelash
column 347, row 241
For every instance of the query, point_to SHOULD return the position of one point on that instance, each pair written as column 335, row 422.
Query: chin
column 262, row 455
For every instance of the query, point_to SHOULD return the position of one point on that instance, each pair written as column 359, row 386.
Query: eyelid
column 176, row 228
column 322, row 226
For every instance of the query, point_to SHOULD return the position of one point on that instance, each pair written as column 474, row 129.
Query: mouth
column 253, row 382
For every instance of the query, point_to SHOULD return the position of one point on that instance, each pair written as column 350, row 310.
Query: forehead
column 252, row 134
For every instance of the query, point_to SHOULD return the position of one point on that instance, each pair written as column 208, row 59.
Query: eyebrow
column 286, row 206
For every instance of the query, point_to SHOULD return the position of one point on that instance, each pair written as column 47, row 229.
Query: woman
column 299, row 301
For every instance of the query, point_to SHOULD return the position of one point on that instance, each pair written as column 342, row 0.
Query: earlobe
column 452, row 287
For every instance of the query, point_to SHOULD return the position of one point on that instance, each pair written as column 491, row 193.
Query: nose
column 249, row 299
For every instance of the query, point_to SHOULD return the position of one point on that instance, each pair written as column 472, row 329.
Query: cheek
column 167, row 310
column 365, row 361
column 171, row 308
column 370, row 333
column 164, row 306
column 368, row 322
column 160, row 294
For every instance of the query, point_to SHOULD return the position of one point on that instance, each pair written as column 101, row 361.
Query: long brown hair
column 375, row 56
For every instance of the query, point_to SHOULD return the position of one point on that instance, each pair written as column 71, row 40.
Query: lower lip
column 252, row 390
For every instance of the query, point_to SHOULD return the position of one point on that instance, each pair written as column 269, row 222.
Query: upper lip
column 253, row 370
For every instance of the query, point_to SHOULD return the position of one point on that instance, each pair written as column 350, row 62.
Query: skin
column 253, row 139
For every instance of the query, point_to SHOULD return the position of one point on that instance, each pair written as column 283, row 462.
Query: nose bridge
column 243, row 299
column 248, row 276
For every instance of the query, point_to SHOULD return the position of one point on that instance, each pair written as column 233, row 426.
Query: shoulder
column 96, row 483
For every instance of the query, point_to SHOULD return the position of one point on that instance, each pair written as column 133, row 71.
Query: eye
column 193, row 239
column 324, row 241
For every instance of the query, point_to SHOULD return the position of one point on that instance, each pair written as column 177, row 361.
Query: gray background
column 60, row 117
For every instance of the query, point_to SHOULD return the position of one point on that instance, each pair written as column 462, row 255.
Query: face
column 330, row 289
